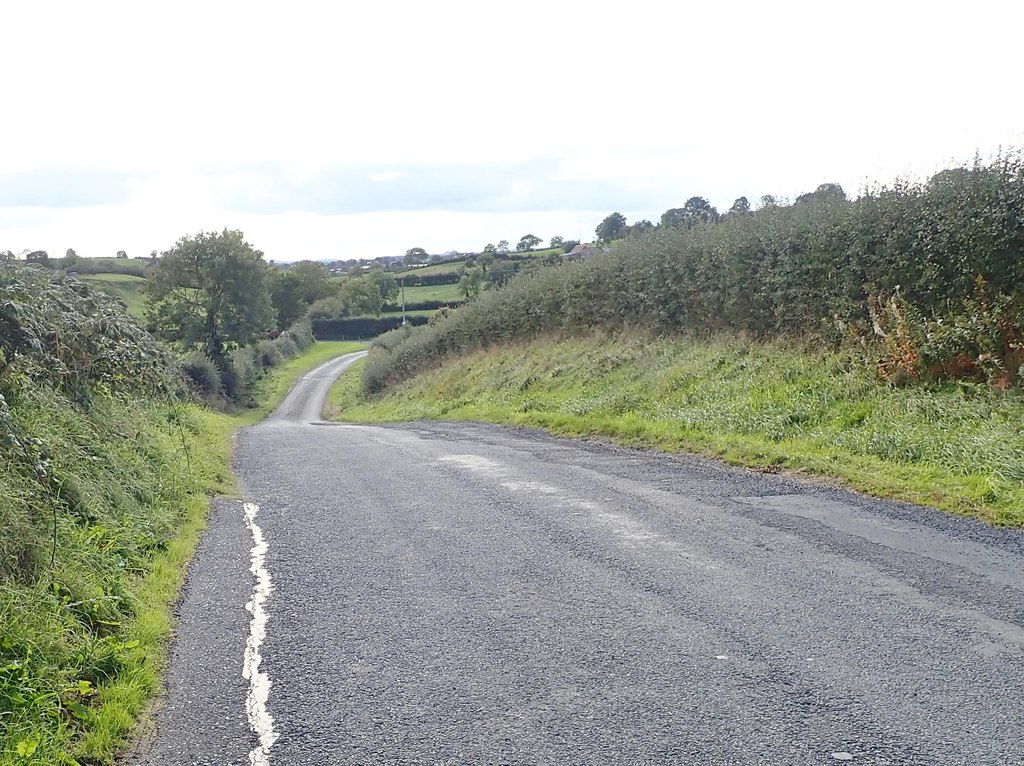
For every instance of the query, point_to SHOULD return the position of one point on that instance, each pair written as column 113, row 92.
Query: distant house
column 582, row 250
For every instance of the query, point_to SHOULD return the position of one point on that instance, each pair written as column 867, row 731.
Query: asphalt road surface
column 469, row 594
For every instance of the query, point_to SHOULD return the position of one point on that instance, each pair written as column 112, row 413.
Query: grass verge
column 956, row 446
column 84, row 634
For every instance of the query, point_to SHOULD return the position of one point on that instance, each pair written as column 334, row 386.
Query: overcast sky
column 349, row 129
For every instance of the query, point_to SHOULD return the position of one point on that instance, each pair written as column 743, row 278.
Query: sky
column 357, row 130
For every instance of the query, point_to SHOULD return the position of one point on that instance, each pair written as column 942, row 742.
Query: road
column 470, row 594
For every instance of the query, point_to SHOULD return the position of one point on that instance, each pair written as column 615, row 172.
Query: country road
column 452, row 593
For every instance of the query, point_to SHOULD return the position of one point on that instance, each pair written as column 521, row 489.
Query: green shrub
column 201, row 374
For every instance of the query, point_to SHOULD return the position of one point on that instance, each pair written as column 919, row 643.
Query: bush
column 201, row 374
column 246, row 371
column 268, row 352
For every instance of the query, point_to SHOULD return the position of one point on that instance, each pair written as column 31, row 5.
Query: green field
column 956, row 446
column 419, row 293
column 124, row 286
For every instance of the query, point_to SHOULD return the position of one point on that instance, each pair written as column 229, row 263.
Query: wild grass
column 956, row 446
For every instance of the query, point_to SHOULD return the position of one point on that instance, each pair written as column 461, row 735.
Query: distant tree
column 436, row 258
column 415, row 255
column 768, row 200
column 485, row 260
column 210, row 289
column 569, row 244
column 824, row 193
column 740, row 207
column 694, row 211
column 471, row 282
column 612, row 227
column 557, row 242
column 313, row 278
column 153, row 255
column 70, row 253
column 356, row 270
column 527, row 243
column 385, row 282
column 38, row 256
column 361, row 297
column 286, row 296
column 121, row 254
column 6, row 256
column 502, row 247
column 639, row 228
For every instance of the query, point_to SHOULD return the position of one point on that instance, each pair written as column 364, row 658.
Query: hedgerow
column 921, row 279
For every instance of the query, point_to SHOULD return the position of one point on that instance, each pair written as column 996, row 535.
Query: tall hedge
column 825, row 267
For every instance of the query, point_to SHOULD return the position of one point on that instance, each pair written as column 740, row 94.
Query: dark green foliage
column 57, row 329
column 354, row 328
column 816, row 269
column 201, row 374
column 612, row 227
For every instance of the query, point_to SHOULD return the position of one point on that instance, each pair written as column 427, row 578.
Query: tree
column 639, row 228
column 471, row 282
column 287, row 297
column 121, row 254
column 415, row 255
column 6, row 256
column 313, row 278
column 360, row 297
column 740, row 207
column 210, row 290
column 557, row 242
column 768, row 200
column 694, row 211
column 70, row 254
column 527, row 243
column 502, row 247
column 824, row 193
column 485, row 260
column 612, row 227
column 569, row 244
column 386, row 284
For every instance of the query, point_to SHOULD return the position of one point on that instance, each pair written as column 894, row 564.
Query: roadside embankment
column 957, row 446
column 104, row 490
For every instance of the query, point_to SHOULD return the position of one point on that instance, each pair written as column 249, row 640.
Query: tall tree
column 415, row 255
column 612, row 227
column 528, row 242
column 557, row 242
column 210, row 290
column 740, row 207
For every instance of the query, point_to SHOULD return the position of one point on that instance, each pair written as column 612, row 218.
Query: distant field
column 438, row 268
column 123, row 286
column 447, row 293
column 390, row 310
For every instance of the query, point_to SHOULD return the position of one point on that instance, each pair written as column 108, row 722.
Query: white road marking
column 260, row 720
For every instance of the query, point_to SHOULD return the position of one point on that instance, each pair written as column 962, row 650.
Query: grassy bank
column 957, row 446
column 88, row 580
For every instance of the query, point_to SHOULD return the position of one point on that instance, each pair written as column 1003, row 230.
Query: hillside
column 125, row 287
